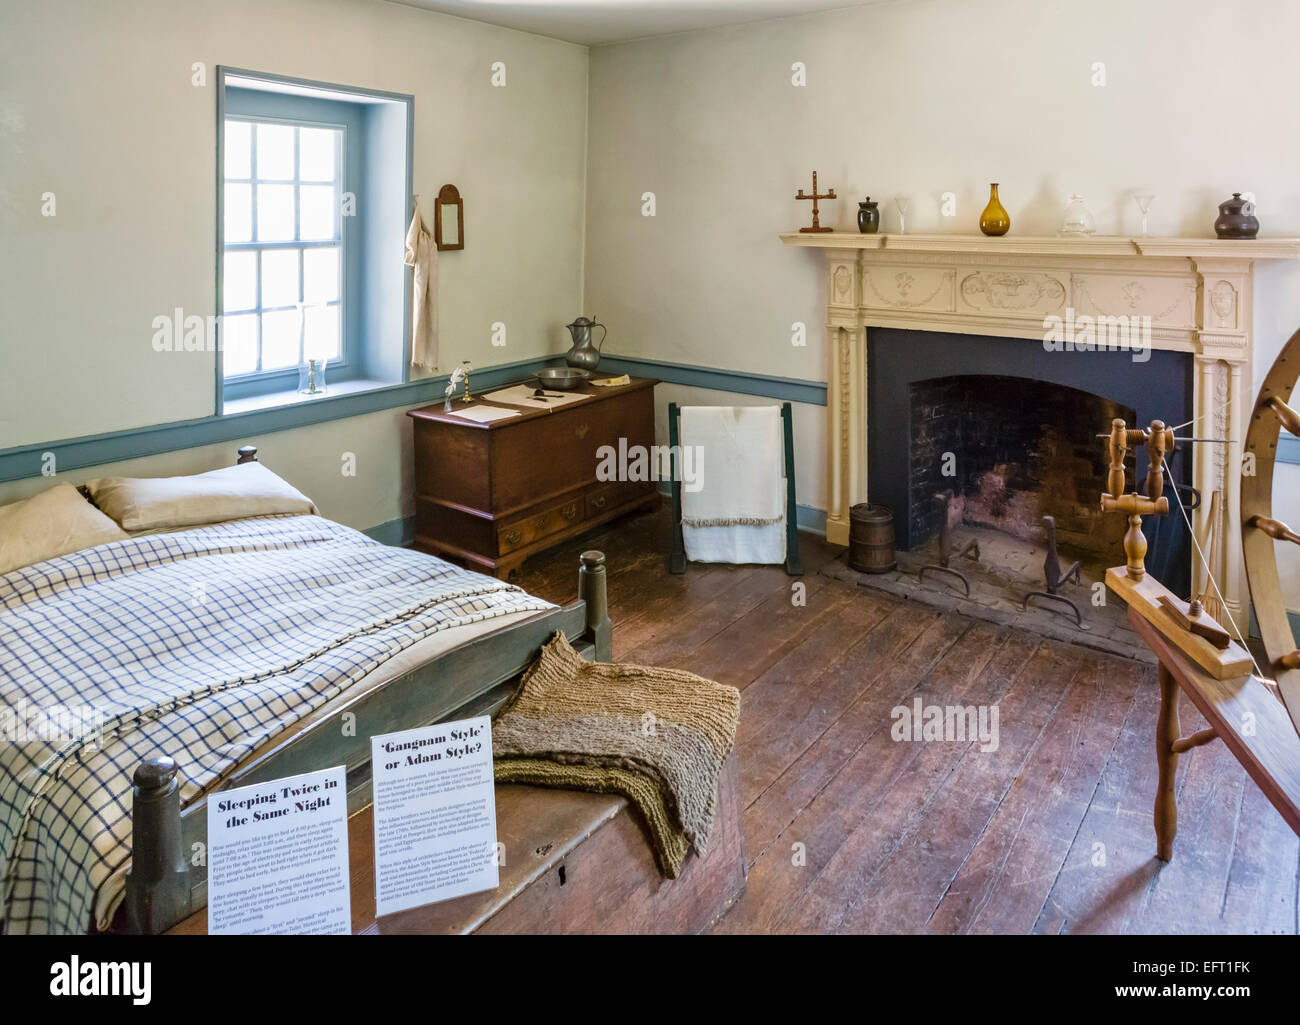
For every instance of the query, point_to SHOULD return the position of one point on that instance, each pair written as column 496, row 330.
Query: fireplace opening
column 1018, row 425
column 1011, row 451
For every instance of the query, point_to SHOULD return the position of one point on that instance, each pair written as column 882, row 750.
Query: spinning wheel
column 1197, row 656
column 1259, row 530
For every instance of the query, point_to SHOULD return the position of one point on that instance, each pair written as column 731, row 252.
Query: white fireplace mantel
column 1198, row 293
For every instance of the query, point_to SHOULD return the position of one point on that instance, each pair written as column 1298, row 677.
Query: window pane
column 239, row 281
column 279, row 277
column 280, row 340
column 316, row 154
column 321, row 338
column 239, row 344
column 281, row 303
column 316, row 219
column 320, row 275
column 275, row 213
column 275, row 151
column 238, row 149
column 239, row 213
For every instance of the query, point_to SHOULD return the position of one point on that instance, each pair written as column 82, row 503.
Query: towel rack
column 677, row 560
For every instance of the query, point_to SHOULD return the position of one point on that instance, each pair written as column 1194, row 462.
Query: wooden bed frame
column 475, row 678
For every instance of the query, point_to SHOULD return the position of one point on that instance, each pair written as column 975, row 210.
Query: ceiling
column 593, row 22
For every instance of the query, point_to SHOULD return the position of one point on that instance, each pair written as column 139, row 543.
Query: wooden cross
column 815, row 196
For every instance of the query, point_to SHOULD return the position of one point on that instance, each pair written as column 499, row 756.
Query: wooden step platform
column 575, row 863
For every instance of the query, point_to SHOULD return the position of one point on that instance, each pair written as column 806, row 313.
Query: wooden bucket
column 871, row 539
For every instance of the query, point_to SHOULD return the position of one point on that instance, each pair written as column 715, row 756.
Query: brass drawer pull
column 581, row 430
column 599, row 501
column 514, row 536
column 570, row 511
column 540, row 522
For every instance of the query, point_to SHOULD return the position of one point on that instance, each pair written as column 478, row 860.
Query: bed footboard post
column 591, row 589
column 157, row 887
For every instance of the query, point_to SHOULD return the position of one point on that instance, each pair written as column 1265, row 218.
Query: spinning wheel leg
column 1166, row 810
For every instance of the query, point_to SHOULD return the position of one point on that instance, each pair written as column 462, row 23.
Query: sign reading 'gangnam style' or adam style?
column 435, row 814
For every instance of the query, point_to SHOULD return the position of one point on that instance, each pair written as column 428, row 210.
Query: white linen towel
column 738, row 513
column 422, row 254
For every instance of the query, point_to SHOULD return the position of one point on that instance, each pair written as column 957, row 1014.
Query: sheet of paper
column 522, row 395
column 435, row 814
column 484, row 414
column 278, row 857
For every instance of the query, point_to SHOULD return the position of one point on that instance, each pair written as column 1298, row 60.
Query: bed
column 219, row 656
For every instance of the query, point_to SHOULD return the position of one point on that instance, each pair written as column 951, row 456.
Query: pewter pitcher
column 584, row 353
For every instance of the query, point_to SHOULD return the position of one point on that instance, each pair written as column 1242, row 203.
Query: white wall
column 97, row 106
column 921, row 98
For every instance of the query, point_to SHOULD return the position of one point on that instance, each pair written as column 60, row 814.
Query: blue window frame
column 313, row 199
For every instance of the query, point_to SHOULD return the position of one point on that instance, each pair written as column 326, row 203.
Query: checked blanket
column 201, row 645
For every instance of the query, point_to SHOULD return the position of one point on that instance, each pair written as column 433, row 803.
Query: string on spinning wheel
column 1224, row 409
column 1209, row 573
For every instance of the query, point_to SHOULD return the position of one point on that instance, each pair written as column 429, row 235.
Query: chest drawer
column 537, row 526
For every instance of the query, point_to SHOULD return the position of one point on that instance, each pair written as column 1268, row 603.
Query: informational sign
column 435, row 814
column 278, row 857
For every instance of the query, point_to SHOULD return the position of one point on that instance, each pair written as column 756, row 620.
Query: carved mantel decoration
column 1197, row 292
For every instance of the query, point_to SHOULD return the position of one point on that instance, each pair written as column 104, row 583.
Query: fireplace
column 1198, row 294
column 1011, row 430
column 1011, row 450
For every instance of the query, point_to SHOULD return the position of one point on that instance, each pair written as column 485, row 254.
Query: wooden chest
column 490, row 495
column 575, row 862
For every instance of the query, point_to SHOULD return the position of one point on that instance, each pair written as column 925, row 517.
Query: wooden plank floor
column 848, row 830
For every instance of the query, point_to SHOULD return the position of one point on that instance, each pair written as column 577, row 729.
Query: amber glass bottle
column 994, row 220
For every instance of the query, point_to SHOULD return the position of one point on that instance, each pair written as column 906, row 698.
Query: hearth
column 1011, row 429
column 1013, row 450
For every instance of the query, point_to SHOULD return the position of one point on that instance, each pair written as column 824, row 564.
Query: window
column 283, row 263
column 313, row 202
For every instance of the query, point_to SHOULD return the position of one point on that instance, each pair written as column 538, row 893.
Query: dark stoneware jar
column 1236, row 218
column 868, row 216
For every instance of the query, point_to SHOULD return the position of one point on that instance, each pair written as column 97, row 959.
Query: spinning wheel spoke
column 1275, row 529
column 1289, row 417
column 1259, row 529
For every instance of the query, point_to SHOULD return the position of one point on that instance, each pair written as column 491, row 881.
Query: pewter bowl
column 561, row 378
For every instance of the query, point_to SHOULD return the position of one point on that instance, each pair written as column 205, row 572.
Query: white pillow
column 55, row 522
column 231, row 493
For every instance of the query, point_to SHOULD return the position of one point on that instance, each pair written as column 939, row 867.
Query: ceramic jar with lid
column 1237, row 218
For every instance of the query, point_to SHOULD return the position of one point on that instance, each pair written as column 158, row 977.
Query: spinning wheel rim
column 1258, row 549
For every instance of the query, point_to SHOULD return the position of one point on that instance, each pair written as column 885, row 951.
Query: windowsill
column 279, row 399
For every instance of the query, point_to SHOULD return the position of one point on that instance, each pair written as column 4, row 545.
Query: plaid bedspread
column 200, row 645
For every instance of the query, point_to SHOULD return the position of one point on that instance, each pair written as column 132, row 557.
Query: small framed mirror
column 449, row 219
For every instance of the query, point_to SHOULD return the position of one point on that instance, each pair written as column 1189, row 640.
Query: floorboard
column 850, row 830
